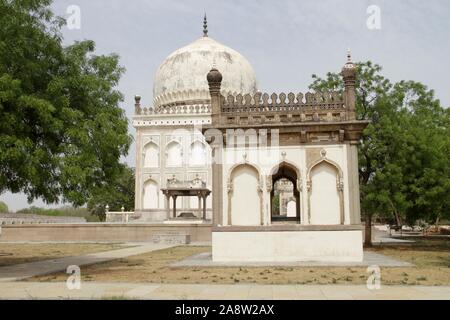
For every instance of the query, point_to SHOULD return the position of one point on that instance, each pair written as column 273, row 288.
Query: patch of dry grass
column 15, row 253
column 432, row 260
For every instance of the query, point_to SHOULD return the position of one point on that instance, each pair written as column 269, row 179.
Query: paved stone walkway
column 204, row 259
column 31, row 269
column 91, row 290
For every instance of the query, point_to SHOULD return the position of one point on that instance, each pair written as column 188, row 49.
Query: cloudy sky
column 285, row 41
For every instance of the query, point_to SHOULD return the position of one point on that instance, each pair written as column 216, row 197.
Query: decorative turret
column 214, row 78
column 349, row 75
column 137, row 104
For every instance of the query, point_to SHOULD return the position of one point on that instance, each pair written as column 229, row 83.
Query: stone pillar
column 168, row 205
column 199, row 206
column 174, row 206
column 204, row 206
column 353, row 183
column 138, row 172
column 349, row 75
column 215, row 138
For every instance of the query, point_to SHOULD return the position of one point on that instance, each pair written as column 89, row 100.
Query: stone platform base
column 102, row 232
column 288, row 245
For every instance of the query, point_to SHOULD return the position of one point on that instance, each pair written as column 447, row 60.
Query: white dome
column 182, row 75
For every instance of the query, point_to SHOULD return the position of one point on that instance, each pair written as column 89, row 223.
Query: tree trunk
column 436, row 224
column 368, row 231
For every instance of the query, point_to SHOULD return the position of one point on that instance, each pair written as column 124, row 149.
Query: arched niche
column 150, row 195
column 151, row 155
column 198, row 154
column 174, row 154
column 325, row 193
column 244, row 196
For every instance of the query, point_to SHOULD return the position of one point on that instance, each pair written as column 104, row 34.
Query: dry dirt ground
column 15, row 253
column 431, row 257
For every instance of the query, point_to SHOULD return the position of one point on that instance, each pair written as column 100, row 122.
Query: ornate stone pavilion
column 308, row 139
column 210, row 130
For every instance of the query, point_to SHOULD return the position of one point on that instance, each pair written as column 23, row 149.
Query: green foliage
column 61, row 212
column 404, row 153
column 119, row 193
column 62, row 131
column 3, row 207
column 276, row 204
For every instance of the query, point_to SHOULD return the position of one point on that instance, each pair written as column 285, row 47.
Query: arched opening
column 197, row 154
column 151, row 155
column 151, row 196
column 174, row 153
column 245, row 200
column 325, row 203
column 285, row 197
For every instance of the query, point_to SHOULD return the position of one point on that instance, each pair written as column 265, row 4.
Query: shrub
column 3, row 207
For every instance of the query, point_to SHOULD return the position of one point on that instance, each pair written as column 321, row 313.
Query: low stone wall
column 93, row 232
column 22, row 218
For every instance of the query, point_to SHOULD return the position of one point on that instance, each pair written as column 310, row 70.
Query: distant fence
column 120, row 216
column 25, row 218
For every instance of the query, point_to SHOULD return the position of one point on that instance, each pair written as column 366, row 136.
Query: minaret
column 349, row 75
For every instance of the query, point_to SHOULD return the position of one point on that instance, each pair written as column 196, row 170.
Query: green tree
column 119, row 193
column 3, row 207
column 403, row 155
column 276, row 204
column 62, row 131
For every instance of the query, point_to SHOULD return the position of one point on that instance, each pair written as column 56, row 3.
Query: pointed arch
column 325, row 192
column 150, row 192
column 151, row 155
column 289, row 171
column 198, row 153
column 174, row 154
column 244, row 195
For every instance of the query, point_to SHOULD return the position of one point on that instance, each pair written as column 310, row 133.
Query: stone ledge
column 287, row 227
column 100, row 225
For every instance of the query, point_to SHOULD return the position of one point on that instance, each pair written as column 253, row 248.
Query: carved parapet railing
column 175, row 109
column 291, row 108
column 329, row 100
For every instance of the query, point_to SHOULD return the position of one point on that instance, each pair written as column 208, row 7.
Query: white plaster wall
column 331, row 246
column 266, row 160
column 161, row 130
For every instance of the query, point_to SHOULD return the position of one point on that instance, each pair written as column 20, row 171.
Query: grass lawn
column 15, row 253
column 431, row 257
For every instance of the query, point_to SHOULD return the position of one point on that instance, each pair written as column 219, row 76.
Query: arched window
column 150, row 196
column 174, row 152
column 151, row 155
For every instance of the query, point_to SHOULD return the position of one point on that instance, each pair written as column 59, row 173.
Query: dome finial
column 349, row 55
column 205, row 26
